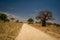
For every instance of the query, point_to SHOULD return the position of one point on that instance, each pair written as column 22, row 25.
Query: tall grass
column 52, row 28
column 9, row 31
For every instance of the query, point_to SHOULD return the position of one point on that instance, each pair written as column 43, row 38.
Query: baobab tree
column 44, row 16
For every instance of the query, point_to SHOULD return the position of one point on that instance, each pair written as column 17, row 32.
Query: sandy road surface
column 29, row 33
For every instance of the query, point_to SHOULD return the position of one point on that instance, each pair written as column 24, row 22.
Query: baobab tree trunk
column 43, row 22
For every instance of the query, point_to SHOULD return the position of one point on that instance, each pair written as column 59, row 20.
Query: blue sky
column 30, row 8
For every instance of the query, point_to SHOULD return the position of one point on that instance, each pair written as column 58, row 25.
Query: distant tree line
column 4, row 18
column 43, row 16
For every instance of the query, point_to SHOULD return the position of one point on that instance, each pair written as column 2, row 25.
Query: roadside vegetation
column 9, row 29
column 47, row 27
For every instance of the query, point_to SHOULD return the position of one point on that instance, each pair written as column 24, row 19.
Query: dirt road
column 29, row 33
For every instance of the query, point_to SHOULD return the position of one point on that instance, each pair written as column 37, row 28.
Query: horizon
column 25, row 9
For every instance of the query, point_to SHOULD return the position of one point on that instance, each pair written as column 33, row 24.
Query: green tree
column 12, row 19
column 30, row 20
column 44, row 16
column 3, row 17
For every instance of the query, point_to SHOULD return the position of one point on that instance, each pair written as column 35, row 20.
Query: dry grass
column 9, row 31
column 50, row 29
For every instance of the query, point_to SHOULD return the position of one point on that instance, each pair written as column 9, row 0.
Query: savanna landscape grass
column 9, row 30
column 52, row 30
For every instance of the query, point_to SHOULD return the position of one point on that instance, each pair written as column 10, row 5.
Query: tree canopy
column 44, row 16
column 12, row 18
column 30, row 20
column 3, row 17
